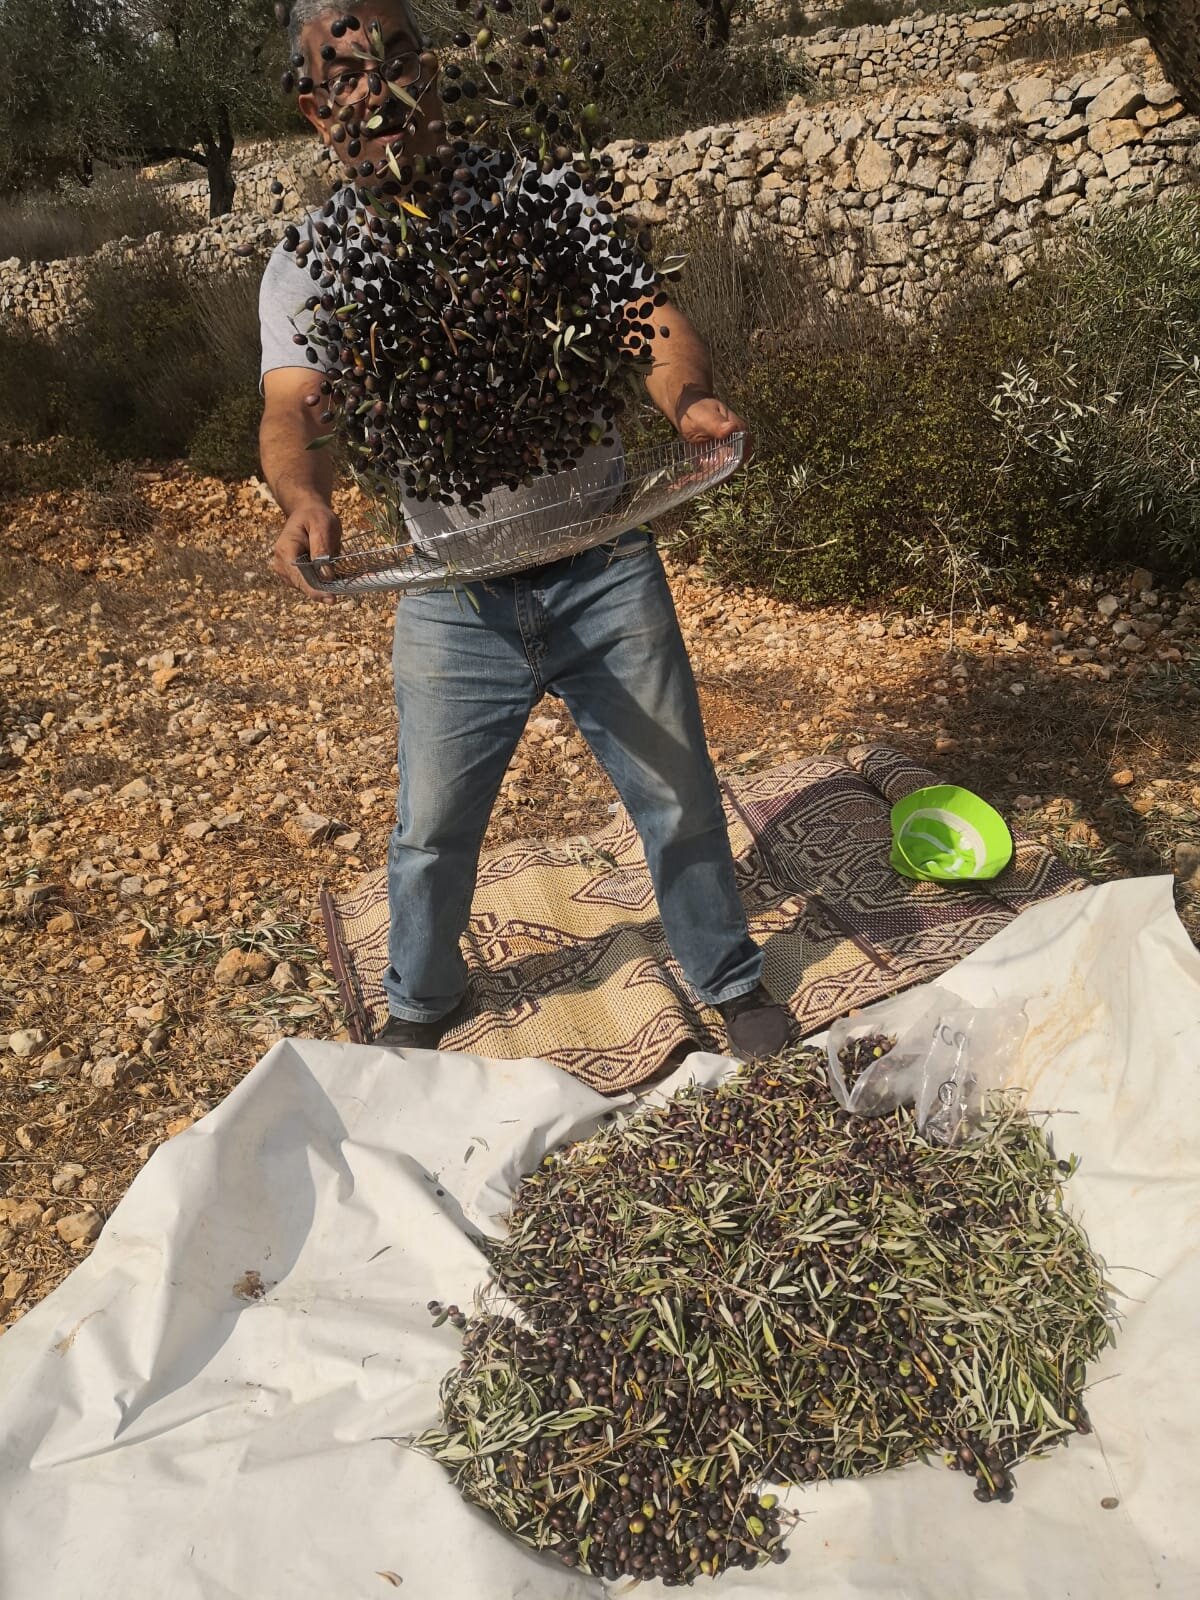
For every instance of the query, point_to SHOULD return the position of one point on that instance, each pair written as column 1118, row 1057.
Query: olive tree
column 54, row 110
column 129, row 81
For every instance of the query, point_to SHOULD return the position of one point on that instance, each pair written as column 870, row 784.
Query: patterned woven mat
column 567, row 957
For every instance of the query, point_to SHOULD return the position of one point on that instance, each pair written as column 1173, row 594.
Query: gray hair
column 305, row 11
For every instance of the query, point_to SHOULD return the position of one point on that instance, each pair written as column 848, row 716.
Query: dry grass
column 1058, row 43
column 76, row 221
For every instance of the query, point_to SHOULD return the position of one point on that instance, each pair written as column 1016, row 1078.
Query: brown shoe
column 756, row 1025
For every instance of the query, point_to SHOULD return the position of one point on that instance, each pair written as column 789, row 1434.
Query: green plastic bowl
column 948, row 835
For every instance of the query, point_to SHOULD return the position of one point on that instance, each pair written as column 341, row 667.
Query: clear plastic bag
column 875, row 1057
column 926, row 1049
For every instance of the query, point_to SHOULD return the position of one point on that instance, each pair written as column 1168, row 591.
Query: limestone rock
column 30, row 898
column 1091, row 87
column 57, row 1062
column 1106, row 136
column 987, row 164
column 1028, row 92
column 13, row 1286
column 818, row 145
column 237, row 968
column 20, row 1215
column 1117, row 100
column 1027, row 179
column 1187, row 865
column 886, row 245
column 287, row 975
column 106, row 1072
column 1060, row 205
column 874, row 166
column 26, row 1040
column 1067, row 130
column 986, row 28
column 79, row 1230
column 310, row 828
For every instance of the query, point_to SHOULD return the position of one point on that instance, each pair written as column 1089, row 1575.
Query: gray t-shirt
column 286, row 286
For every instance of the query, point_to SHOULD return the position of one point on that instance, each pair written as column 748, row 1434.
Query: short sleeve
column 285, row 287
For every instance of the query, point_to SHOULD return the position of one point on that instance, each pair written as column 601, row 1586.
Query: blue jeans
column 599, row 631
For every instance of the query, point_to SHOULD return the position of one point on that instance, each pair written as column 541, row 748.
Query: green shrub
column 1108, row 398
column 150, row 360
column 57, row 462
column 878, row 13
column 880, row 473
column 116, row 503
column 661, row 75
column 853, row 14
column 1059, row 41
column 978, row 452
column 663, row 78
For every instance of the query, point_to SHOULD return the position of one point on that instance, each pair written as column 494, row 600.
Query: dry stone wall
column 937, row 45
column 894, row 194
column 782, row 16
column 295, row 166
column 891, row 194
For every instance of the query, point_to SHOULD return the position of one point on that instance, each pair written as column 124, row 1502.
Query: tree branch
column 168, row 152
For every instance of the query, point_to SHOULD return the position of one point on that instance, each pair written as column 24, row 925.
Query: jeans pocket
column 628, row 546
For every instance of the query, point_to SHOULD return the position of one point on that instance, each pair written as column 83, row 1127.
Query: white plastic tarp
column 162, row 1436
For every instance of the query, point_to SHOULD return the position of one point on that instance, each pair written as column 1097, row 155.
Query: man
column 598, row 631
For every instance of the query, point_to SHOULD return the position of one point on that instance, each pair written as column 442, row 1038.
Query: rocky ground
column 187, row 752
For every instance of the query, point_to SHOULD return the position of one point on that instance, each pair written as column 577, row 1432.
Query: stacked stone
column 293, row 170
column 895, row 194
column 46, row 293
column 936, row 45
column 780, row 15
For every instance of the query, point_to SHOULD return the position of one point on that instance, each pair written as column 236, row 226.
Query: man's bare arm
column 680, row 383
column 300, row 479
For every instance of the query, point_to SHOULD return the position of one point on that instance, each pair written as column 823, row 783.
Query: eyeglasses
column 355, row 84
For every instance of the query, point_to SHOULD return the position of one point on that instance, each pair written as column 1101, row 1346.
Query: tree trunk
column 220, row 181
column 713, row 23
column 1173, row 29
column 218, row 162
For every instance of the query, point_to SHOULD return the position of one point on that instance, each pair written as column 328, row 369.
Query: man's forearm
column 294, row 473
column 682, row 371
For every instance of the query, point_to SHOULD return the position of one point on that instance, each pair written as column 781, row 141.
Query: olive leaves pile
column 746, row 1285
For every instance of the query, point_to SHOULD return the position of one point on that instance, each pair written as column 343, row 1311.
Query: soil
column 187, row 752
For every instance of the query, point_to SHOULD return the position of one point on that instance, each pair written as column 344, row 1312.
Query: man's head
column 344, row 83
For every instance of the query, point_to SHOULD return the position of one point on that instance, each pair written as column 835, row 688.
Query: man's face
column 338, row 80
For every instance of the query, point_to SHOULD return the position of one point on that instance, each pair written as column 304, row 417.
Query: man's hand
column 311, row 530
column 301, row 478
column 680, row 382
column 710, row 418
